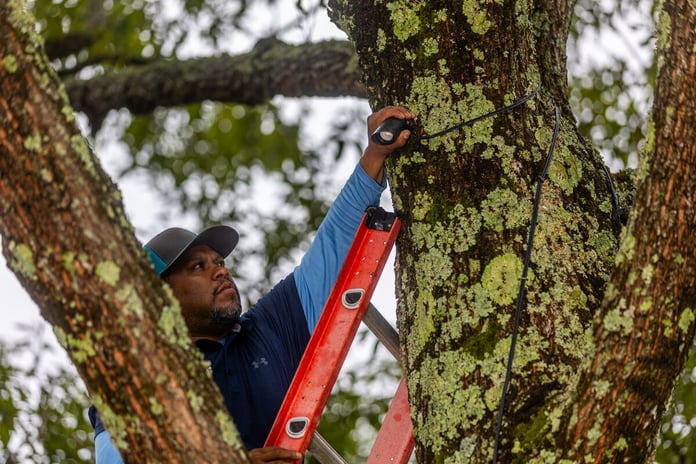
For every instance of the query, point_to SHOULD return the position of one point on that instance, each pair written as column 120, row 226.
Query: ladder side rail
column 395, row 443
column 309, row 391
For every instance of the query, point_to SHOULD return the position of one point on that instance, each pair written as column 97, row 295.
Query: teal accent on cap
column 158, row 262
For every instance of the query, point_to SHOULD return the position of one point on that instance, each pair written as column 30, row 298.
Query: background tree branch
column 272, row 68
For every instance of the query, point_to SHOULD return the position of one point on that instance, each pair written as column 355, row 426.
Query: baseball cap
column 167, row 246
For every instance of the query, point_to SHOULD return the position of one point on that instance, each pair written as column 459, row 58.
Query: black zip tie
column 617, row 213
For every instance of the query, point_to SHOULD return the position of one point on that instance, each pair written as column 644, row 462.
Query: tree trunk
column 66, row 238
column 466, row 199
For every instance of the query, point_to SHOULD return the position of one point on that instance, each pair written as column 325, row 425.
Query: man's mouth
column 224, row 287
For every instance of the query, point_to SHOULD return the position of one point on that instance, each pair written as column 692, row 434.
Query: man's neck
column 217, row 336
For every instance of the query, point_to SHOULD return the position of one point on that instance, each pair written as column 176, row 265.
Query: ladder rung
column 323, row 451
column 383, row 330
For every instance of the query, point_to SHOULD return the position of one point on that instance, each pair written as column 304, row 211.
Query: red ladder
column 347, row 305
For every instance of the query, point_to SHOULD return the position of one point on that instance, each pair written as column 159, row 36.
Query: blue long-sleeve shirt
column 254, row 365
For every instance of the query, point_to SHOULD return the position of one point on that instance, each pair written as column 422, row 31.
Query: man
column 254, row 356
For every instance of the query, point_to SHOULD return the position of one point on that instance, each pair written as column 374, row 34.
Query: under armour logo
column 258, row 364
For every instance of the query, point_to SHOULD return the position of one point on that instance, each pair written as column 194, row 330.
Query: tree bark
column 272, row 68
column 66, row 238
column 466, row 200
column 646, row 326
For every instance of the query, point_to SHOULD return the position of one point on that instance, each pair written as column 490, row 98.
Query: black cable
column 523, row 280
column 388, row 131
column 473, row 121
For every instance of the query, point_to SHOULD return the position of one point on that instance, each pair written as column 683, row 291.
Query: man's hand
column 375, row 154
column 274, row 455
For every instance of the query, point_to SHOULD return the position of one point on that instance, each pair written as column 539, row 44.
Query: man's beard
column 226, row 316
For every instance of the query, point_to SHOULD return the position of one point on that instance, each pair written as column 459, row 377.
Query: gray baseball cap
column 167, row 246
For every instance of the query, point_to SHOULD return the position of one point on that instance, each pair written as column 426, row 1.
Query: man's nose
column 220, row 272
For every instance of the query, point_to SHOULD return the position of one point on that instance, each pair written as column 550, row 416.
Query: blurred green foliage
column 676, row 442
column 211, row 159
column 612, row 74
column 42, row 407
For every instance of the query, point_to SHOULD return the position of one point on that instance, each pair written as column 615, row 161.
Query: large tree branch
column 324, row 69
column 66, row 238
column 646, row 325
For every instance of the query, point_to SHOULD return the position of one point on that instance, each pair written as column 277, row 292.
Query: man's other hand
column 274, row 455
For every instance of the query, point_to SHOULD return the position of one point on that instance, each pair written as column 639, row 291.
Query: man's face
column 207, row 294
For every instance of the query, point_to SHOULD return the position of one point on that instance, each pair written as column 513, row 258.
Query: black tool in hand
column 389, row 130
